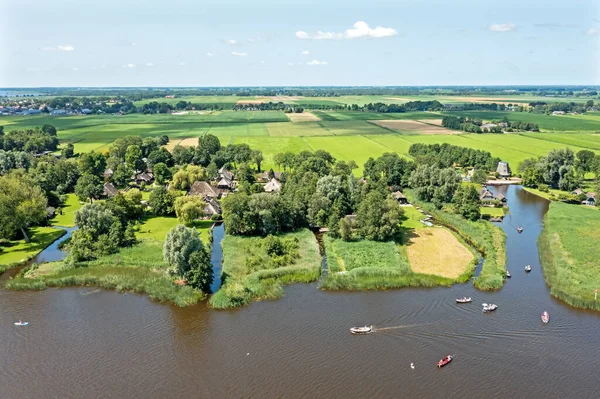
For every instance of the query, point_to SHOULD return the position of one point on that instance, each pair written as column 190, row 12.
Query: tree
column 161, row 173
column 378, row 217
column 179, row 245
column 200, row 273
column 556, row 164
column 49, row 129
column 22, row 204
column 182, row 155
column 68, row 151
column 584, row 161
column 589, row 103
column 185, row 177
column 346, row 229
column 88, row 187
column 189, row 208
column 160, row 156
column 257, row 157
column 479, row 176
column 122, row 175
column 161, row 201
column 92, row 163
column 133, row 158
column 208, row 145
column 466, row 202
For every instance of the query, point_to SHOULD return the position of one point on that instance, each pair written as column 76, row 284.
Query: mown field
column 347, row 135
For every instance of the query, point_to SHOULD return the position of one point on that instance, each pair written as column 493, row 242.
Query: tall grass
column 242, row 283
column 569, row 254
column 482, row 235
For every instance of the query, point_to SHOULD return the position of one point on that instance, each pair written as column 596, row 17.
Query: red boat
column 444, row 361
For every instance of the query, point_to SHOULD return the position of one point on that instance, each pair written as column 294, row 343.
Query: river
column 100, row 344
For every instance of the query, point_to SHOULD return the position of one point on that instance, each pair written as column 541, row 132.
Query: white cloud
column 238, row 54
column 231, row 42
column 360, row 29
column 129, row 66
column 316, row 62
column 593, row 31
column 305, row 52
column 290, row 63
column 209, row 54
column 76, row 69
column 60, row 47
column 149, row 64
column 502, row 27
column 182, row 63
column 262, row 62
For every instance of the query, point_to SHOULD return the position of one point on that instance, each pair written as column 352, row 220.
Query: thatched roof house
column 109, row 190
column 590, row 199
column 577, row 191
column 108, row 173
column 203, row 189
column 144, row 177
column 486, row 195
column 225, row 183
column 401, row 198
column 272, row 185
column 224, row 172
column 503, row 169
column 212, row 207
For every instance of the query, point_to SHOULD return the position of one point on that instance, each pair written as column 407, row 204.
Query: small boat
column 489, row 307
column 528, row 268
column 519, row 229
column 545, row 317
column 444, row 361
column 463, row 300
column 21, row 323
column 361, row 330
column 507, row 274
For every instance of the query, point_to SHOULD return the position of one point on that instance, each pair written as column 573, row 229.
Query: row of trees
column 446, row 155
column 34, row 140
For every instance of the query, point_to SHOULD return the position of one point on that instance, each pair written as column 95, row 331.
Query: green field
column 569, row 253
column 18, row 250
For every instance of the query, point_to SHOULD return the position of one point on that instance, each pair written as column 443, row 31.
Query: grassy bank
column 485, row 237
column 569, row 253
column 139, row 269
column 249, row 273
column 65, row 216
column 16, row 252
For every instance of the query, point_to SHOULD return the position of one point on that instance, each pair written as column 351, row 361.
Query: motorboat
column 545, row 317
column 528, row 268
column 463, row 300
column 508, row 274
column 489, row 307
column 445, row 361
column 519, row 229
column 21, row 323
column 361, row 330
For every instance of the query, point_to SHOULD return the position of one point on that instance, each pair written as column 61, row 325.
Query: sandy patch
column 187, row 142
column 277, row 99
column 437, row 122
column 303, row 117
column 437, row 251
column 414, row 127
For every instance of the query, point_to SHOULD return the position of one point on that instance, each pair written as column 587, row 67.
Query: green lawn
column 569, row 253
column 155, row 228
column 67, row 218
column 19, row 250
column 493, row 212
column 411, row 218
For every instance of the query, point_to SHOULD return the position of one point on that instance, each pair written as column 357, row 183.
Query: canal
column 92, row 343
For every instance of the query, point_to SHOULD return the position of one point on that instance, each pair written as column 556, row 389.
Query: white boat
column 361, row 330
column 489, row 307
column 463, row 300
column 508, row 274
column 21, row 323
column 528, row 268
column 545, row 317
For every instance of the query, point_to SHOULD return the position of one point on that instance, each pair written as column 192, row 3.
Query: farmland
column 347, row 135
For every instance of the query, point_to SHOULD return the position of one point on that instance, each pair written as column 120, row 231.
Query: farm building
column 401, row 198
column 558, row 113
column 503, row 169
column 272, row 186
column 203, row 189
column 486, row 195
column 577, row 191
column 108, row 173
column 212, row 207
column 225, row 184
column 224, row 172
column 590, row 199
column 109, row 190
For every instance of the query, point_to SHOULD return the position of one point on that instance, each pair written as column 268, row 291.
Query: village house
column 109, row 190
column 577, row 191
column 212, row 207
column 108, row 173
column 272, row 186
column 486, row 196
column 144, row 177
column 558, row 113
column 264, row 176
column 400, row 198
column 503, row 169
column 488, row 125
column 203, row 189
column 225, row 173
column 590, row 199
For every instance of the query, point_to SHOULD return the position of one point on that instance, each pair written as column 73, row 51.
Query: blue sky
column 289, row 42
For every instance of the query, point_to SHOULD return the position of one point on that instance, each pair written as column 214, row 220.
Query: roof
column 484, row 193
column 109, row 190
column 203, row 189
column 591, row 195
column 503, row 169
column 577, row 191
column 225, row 182
column 108, row 172
column 398, row 195
column 212, row 207
column 501, row 197
column 224, row 172
column 277, row 175
column 272, row 185
column 144, row 176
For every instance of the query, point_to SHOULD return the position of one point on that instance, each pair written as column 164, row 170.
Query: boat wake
column 377, row 329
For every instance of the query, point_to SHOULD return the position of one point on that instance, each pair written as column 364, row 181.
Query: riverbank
column 254, row 269
column 569, row 253
column 139, row 269
column 488, row 239
column 17, row 252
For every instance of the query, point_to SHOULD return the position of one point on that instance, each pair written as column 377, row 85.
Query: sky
column 109, row 43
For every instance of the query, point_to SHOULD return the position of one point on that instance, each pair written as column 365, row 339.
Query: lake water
column 89, row 343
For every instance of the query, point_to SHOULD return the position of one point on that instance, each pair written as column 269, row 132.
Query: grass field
column 155, row 228
column 493, row 212
column 245, row 281
column 569, row 253
column 67, row 217
column 18, row 250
